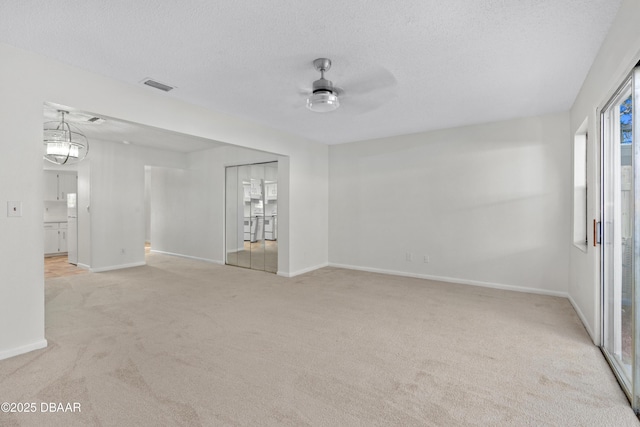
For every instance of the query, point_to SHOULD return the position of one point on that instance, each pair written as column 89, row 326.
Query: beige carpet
column 181, row 342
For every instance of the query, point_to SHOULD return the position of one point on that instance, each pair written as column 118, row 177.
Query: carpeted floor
column 181, row 342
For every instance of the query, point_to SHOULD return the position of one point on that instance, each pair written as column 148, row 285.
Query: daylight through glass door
column 620, row 229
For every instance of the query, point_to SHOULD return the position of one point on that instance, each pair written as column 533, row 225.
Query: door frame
column 631, row 386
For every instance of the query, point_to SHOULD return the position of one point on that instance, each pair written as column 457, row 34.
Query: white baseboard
column 84, row 266
column 117, row 267
column 213, row 261
column 303, row 271
column 583, row 318
column 454, row 280
column 5, row 354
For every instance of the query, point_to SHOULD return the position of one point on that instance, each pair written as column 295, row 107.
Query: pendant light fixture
column 64, row 144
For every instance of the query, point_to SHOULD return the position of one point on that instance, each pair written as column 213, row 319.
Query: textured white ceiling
column 439, row 63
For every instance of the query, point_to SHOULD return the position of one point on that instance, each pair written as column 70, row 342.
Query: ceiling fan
column 325, row 96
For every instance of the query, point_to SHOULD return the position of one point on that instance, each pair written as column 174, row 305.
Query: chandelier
column 64, row 144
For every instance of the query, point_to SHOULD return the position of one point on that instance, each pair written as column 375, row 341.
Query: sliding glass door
column 252, row 216
column 620, row 231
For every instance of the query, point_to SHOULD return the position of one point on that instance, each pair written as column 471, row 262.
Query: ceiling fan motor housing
column 323, row 85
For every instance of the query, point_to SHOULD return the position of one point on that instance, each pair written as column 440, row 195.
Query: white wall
column 178, row 211
column 212, row 163
column 117, row 212
column 147, row 203
column 27, row 81
column 617, row 56
column 196, row 229
column 22, row 239
column 84, row 214
column 487, row 204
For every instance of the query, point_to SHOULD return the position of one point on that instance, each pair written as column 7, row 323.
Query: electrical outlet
column 426, row 259
column 409, row 256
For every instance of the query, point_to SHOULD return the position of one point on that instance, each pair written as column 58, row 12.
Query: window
column 580, row 225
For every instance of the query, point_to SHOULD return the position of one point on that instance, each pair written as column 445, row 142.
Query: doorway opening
column 251, row 220
column 60, row 217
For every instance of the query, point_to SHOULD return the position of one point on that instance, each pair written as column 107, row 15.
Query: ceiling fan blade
column 297, row 98
column 363, row 104
column 363, row 92
column 304, row 91
column 370, row 81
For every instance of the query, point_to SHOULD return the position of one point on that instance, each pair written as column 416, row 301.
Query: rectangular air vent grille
column 84, row 118
column 158, row 85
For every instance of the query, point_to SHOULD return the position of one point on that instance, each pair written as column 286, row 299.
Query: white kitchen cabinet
column 271, row 191
column 256, row 188
column 247, row 228
column 62, row 237
column 247, row 192
column 271, row 227
column 55, row 238
column 58, row 184
column 50, row 185
column 51, row 238
column 67, row 183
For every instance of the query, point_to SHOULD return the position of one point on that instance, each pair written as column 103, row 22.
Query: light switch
column 14, row 208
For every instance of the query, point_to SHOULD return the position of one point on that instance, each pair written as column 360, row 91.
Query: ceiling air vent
column 84, row 118
column 158, row 85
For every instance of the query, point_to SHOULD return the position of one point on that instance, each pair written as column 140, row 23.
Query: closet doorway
column 251, row 224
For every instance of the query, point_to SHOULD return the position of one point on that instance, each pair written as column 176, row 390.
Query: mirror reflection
column 252, row 216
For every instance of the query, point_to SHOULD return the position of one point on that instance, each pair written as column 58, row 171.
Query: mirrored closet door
column 252, row 216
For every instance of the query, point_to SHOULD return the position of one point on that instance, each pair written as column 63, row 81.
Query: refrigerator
column 72, row 228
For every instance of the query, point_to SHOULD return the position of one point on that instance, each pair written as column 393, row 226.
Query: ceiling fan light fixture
column 324, row 97
column 64, row 144
column 323, row 101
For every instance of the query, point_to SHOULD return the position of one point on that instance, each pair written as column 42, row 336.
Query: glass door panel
column 244, row 207
column 619, row 233
column 257, row 217
column 630, row 114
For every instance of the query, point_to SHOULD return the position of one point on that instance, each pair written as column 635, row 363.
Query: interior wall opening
column 60, row 213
